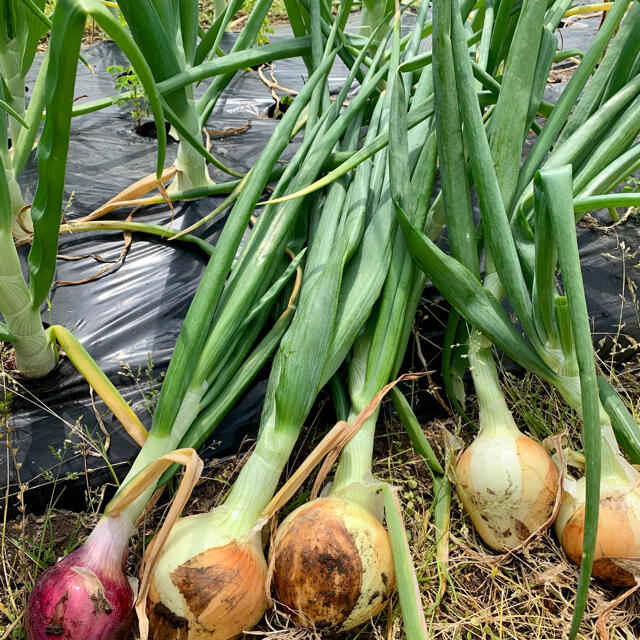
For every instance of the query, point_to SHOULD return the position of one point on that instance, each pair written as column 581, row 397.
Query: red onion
column 86, row 595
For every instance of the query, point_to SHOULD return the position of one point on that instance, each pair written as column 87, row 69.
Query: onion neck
column 354, row 465
column 34, row 352
column 191, row 165
column 354, row 481
column 106, row 547
column 257, row 481
column 494, row 414
column 615, row 470
column 161, row 441
column 155, row 446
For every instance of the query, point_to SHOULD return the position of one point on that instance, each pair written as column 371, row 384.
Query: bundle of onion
column 557, row 347
column 180, row 416
column 332, row 561
column 211, row 574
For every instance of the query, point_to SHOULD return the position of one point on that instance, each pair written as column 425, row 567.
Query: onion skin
column 333, row 566
column 203, row 589
column 507, row 483
column 86, row 595
column 618, row 533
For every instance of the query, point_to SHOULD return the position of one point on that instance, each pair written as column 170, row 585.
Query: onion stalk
column 558, row 348
column 20, row 32
column 20, row 303
column 333, row 567
column 311, row 350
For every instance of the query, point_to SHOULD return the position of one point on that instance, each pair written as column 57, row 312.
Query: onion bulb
column 618, row 527
column 207, row 584
column 86, row 595
column 507, row 483
column 333, row 567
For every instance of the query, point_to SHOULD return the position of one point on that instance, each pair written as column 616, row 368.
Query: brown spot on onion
column 522, row 530
column 332, row 565
column 223, row 590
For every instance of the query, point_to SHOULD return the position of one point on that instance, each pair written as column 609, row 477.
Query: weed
column 147, row 385
column 128, row 83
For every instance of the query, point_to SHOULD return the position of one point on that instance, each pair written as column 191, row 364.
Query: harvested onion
column 86, row 595
column 618, row 521
column 333, row 566
column 507, row 483
column 206, row 584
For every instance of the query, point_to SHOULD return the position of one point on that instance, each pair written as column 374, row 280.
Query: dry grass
column 528, row 597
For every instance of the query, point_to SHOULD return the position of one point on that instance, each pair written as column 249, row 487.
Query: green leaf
column 508, row 121
column 557, row 187
column 46, row 210
column 471, row 299
column 624, row 425
column 494, row 217
column 193, row 334
column 592, row 95
column 64, row 47
column 13, row 113
column 558, row 118
column 5, row 334
column 451, row 151
column 230, row 387
column 415, row 627
column 414, row 431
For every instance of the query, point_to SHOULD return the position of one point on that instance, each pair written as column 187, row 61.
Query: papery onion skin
column 333, row 567
column 86, row 595
column 618, row 533
column 206, row 589
column 508, row 486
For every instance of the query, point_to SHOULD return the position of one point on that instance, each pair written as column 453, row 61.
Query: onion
column 507, row 483
column 86, row 595
column 618, row 521
column 206, row 584
column 333, row 566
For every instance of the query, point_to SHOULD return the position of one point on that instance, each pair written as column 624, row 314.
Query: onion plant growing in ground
column 20, row 303
column 558, row 347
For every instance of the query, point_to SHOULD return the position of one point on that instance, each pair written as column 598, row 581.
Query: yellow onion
column 333, row 568
column 618, row 523
column 207, row 584
column 507, row 483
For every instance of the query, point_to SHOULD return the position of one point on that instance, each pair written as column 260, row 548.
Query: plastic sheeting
column 129, row 318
